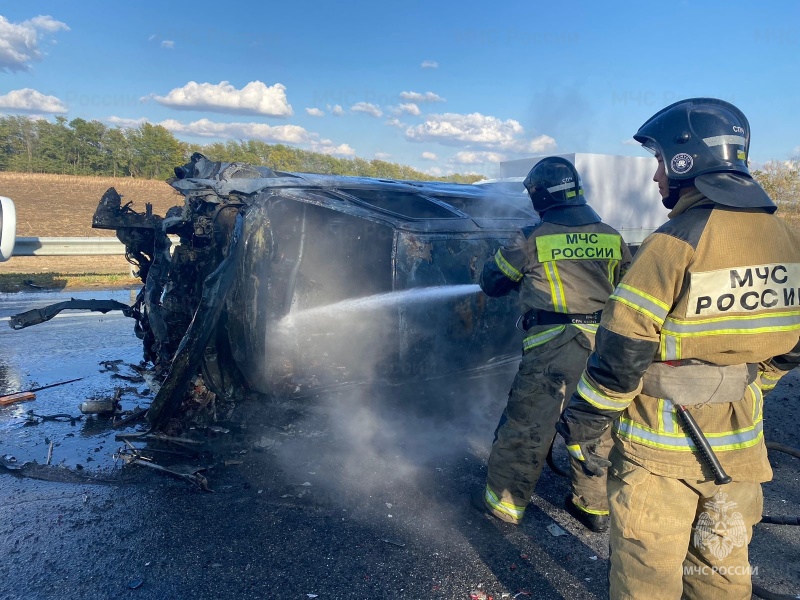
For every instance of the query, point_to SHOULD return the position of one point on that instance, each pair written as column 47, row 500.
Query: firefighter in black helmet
column 707, row 319
column 564, row 269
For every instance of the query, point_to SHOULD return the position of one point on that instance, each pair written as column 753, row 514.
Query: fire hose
column 767, row 519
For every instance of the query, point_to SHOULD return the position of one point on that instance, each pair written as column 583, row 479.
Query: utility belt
column 696, row 383
column 535, row 317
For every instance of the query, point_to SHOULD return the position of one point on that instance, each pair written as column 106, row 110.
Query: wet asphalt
column 357, row 493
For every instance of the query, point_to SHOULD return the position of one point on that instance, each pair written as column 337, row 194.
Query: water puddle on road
column 76, row 344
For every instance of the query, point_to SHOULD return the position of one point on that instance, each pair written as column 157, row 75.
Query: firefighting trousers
column 673, row 538
column 547, row 377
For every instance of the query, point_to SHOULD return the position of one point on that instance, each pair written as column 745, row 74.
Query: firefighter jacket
column 716, row 284
column 559, row 270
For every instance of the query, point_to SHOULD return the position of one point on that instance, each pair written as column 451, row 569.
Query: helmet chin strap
column 674, row 194
column 675, row 187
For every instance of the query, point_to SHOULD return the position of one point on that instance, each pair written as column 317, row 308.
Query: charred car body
column 283, row 282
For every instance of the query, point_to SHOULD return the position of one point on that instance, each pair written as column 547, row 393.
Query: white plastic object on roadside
column 8, row 228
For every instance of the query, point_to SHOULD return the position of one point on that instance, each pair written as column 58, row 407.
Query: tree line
column 80, row 147
column 781, row 180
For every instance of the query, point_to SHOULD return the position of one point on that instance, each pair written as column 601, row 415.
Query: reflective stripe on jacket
column 717, row 284
column 560, row 269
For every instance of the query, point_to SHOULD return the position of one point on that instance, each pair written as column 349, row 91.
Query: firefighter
column 707, row 316
column 564, row 268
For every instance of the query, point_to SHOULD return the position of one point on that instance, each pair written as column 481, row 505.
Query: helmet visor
column 653, row 148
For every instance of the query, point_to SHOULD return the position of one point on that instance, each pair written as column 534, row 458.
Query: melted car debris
column 256, row 246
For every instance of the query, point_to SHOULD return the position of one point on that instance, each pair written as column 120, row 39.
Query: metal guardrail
column 71, row 246
column 68, row 246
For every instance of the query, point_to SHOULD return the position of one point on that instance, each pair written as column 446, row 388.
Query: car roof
column 415, row 205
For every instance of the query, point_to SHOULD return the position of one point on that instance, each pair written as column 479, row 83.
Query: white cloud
column 429, row 64
column 435, row 171
column 419, row 98
column 291, row 134
column 19, row 42
column 475, row 158
column 367, row 108
column 328, row 147
column 478, row 130
column 47, row 23
column 383, row 155
column 28, row 100
column 336, row 110
column 168, row 44
column 315, row 112
column 255, row 98
column 796, row 151
column 408, row 109
column 541, row 143
column 631, row 142
column 281, row 134
column 396, row 123
column 429, row 156
column 126, row 123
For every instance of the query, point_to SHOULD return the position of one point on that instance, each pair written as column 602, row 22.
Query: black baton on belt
column 706, row 452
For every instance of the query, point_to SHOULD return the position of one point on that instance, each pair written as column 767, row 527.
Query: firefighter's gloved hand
column 582, row 425
column 591, row 462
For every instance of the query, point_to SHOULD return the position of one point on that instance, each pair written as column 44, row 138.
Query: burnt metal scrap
column 40, row 315
column 261, row 292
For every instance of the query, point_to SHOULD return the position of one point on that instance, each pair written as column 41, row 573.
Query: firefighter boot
column 476, row 498
column 596, row 523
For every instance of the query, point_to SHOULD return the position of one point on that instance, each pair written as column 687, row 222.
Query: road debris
column 158, row 437
column 393, row 542
column 10, row 462
column 110, row 365
column 137, row 414
column 135, row 584
column 40, row 315
column 265, row 443
column 31, row 418
column 49, row 453
column 40, row 388
column 555, row 530
column 131, row 456
column 18, row 397
column 131, row 378
column 98, row 407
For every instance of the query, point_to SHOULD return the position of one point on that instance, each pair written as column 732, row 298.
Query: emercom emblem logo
column 720, row 529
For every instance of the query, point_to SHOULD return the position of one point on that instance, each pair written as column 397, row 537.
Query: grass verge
column 26, row 282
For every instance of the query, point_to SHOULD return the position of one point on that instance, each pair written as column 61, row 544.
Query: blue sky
column 443, row 87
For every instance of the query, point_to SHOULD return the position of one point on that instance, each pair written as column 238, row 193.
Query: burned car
column 282, row 283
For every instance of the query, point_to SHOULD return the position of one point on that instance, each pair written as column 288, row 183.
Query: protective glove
column 582, row 425
column 585, row 453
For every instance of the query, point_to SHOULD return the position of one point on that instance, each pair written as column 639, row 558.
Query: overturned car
column 282, row 283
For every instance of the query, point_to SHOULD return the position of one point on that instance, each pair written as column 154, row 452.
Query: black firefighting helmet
column 705, row 142
column 556, row 191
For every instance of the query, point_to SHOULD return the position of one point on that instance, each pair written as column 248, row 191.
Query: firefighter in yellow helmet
column 564, row 268
column 707, row 318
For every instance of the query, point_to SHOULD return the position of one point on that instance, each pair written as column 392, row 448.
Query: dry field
column 62, row 206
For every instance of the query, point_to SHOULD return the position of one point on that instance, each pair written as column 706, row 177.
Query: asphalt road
column 359, row 493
